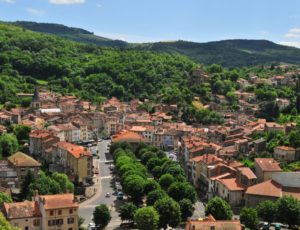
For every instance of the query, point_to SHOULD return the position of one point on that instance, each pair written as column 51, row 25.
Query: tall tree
column 29, row 178
column 166, row 180
column 4, row 198
column 249, row 218
column 127, row 211
column 8, row 145
column 146, row 218
column 219, row 209
column 155, row 195
column 22, row 132
column 169, row 212
column 288, row 211
column 101, row 216
column 186, row 208
column 267, row 211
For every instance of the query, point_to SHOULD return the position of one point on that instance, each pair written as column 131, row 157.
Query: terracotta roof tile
column 59, row 201
column 247, row 172
column 127, row 136
column 76, row 150
column 268, row 164
column 24, row 209
column 218, row 225
column 232, row 184
column 266, row 188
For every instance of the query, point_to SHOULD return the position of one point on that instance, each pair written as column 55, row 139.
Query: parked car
column 91, row 226
column 107, row 195
column 120, row 196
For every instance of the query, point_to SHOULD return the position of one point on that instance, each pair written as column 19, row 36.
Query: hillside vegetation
column 228, row 53
column 87, row 71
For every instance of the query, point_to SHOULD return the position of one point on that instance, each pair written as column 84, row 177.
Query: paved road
column 103, row 185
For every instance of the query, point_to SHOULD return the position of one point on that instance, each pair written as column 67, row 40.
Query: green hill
column 228, row 53
column 75, row 34
column 86, row 70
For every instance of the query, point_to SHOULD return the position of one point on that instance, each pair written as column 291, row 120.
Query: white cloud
column 292, row 35
column 294, row 30
column 35, row 12
column 67, row 2
column 9, row 1
column 98, row 5
column 293, row 44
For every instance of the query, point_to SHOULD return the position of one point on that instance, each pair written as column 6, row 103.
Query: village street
column 103, row 184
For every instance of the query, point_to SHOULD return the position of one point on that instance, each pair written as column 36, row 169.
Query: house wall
column 53, row 215
column 254, row 200
column 22, row 223
column 288, row 155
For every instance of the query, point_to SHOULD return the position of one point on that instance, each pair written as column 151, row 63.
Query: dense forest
column 228, row 53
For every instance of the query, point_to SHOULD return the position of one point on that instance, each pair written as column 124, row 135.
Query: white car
column 91, row 226
column 107, row 194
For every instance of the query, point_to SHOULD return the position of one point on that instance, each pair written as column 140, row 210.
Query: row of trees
column 147, row 172
column 285, row 210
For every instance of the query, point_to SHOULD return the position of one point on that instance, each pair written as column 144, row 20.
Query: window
column 59, row 212
column 71, row 220
column 70, row 211
column 51, row 213
column 26, row 228
column 36, row 222
column 51, row 222
column 70, row 228
column 59, row 222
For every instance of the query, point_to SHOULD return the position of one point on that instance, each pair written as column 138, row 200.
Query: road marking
column 106, row 177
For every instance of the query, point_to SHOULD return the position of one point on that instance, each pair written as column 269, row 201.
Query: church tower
column 36, row 101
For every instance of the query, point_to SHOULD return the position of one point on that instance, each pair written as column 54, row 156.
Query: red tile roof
column 268, row 164
column 76, row 150
column 232, row 184
column 127, row 136
column 26, row 209
column 207, row 158
column 247, row 172
column 59, row 201
column 266, row 188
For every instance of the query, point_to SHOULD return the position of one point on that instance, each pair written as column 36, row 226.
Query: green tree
column 267, row 211
column 64, row 182
column 5, row 225
column 127, row 211
column 101, row 216
column 155, row 195
column 181, row 190
column 186, row 208
column 219, row 209
column 8, row 145
column 169, row 212
column 29, row 178
column 146, row 218
column 22, row 132
column 25, row 102
column 80, row 223
column 249, row 218
column 288, row 211
column 134, row 186
column 150, row 186
column 166, row 180
column 4, row 198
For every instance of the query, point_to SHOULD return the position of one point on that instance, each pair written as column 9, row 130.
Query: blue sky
column 157, row 20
